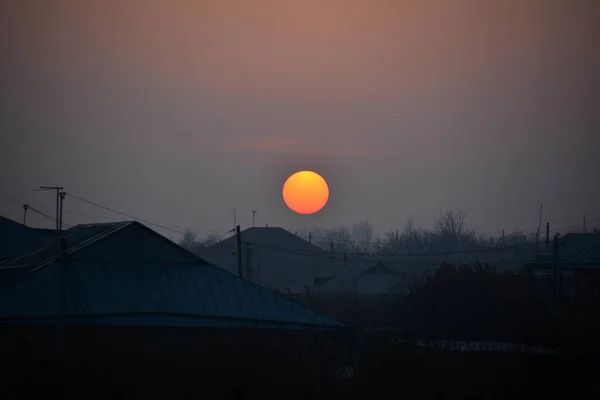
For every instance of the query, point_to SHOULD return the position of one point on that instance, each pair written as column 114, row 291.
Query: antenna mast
column 58, row 196
column 25, row 208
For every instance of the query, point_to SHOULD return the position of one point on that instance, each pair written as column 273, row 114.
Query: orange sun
column 305, row 192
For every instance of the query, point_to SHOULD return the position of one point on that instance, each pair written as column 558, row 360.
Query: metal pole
column 239, row 249
column 58, row 189
column 25, row 207
column 57, row 206
column 62, row 198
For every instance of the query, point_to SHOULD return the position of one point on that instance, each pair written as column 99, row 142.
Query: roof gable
column 276, row 257
column 274, row 237
column 114, row 285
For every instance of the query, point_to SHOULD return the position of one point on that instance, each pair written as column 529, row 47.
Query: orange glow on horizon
column 305, row 192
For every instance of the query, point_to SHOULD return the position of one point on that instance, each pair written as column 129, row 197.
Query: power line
column 171, row 229
column 68, row 211
column 46, row 215
column 329, row 253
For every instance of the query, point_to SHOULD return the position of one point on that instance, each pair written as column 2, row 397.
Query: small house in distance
column 576, row 267
column 271, row 257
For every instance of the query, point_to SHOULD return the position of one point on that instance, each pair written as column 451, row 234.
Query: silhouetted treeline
column 473, row 303
column 450, row 232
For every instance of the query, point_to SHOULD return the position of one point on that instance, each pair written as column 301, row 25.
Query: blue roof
column 580, row 249
column 16, row 238
column 127, row 274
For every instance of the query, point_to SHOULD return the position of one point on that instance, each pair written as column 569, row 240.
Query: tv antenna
column 59, row 199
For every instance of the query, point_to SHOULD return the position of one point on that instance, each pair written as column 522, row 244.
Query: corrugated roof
column 580, row 249
column 77, row 236
column 16, row 238
column 146, row 279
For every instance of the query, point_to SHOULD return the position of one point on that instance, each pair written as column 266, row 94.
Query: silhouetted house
column 271, row 257
column 126, row 274
column 16, row 238
column 364, row 278
column 132, row 296
column 577, row 265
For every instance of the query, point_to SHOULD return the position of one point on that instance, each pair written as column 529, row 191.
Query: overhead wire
column 47, row 216
column 161, row 226
column 342, row 253
column 65, row 210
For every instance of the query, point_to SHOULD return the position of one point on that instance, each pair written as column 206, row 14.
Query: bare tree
column 211, row 239
column 189, row 240
column 451, row 227
column 362, row 235
column 336, row 239
column 303, row 233
column 410, row 225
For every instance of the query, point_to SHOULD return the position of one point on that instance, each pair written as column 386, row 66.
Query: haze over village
column 225, row 198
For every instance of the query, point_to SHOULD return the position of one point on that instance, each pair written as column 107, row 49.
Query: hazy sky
column 176, row 111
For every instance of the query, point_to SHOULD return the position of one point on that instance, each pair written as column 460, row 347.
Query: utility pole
column 556, row 267
column 25, row 208
column 253, row 215
column 547, row 234
column 238, row 234
column 62, row 198
column 503, row 242
column 310, row 237
column 537, row 238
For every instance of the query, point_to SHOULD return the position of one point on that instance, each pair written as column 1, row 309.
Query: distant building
column 271, row 257
column 125, row 274
column 577, row 265
column 15, row 238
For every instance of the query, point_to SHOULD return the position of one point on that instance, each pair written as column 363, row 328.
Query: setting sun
column 305, row 192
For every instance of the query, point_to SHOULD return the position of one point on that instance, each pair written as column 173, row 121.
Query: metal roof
column 149, row 280
column 16, row 238
column 580, row 249
column 47, row 251
column 278, row 259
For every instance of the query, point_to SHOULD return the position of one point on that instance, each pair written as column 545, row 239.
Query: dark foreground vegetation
column 253, row 368
column 477, row 303
column 458, row 303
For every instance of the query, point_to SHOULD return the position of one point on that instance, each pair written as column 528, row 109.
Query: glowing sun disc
column 305, row 192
